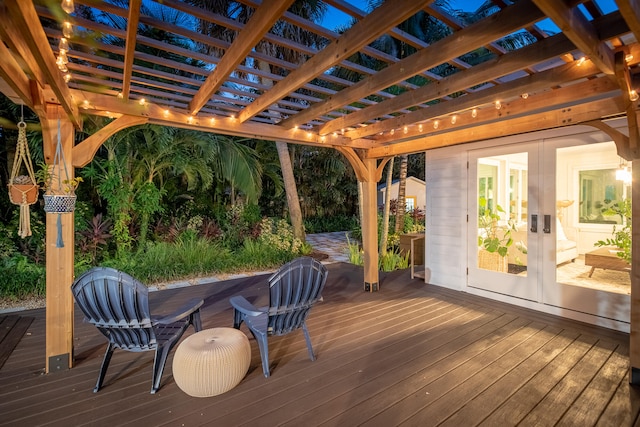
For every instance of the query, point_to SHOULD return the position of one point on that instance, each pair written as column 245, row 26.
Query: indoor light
column 68, row 6
column 622, row 173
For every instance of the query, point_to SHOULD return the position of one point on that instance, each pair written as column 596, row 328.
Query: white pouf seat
column 211, row 362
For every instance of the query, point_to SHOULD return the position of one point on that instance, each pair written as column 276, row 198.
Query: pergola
column 579, row 72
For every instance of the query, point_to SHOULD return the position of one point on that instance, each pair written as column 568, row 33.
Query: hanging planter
column 59, row 203
column 59, row 196
column 23, row 190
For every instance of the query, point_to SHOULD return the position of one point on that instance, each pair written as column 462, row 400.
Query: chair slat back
column 118, row 305
column 294, row 288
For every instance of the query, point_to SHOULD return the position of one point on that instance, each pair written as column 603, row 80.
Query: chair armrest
column 185, row 310
column 241, row 304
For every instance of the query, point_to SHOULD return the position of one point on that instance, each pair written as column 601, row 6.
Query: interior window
column 600, row 192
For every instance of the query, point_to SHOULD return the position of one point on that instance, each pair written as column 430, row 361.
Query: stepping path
column 333, row 244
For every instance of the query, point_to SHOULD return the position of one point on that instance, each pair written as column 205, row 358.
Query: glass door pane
column 499, row 202
column 592, row 207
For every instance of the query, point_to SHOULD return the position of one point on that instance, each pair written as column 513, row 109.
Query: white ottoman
column 211, row 362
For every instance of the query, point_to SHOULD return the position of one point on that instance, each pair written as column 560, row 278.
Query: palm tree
column 309, row 9
column 142, row 159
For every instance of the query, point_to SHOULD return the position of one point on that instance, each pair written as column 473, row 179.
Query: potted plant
column 22, row 190
column 620, row 236
column 494, row 238
column 59, row 195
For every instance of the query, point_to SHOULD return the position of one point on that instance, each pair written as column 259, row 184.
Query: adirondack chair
column 118, row 305
column 293, row 290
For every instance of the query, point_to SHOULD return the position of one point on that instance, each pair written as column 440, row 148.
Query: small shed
column 415, row 194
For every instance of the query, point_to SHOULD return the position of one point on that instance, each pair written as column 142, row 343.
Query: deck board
column 410, row 354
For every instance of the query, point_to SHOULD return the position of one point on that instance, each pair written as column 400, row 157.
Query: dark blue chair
column 293, row 290
column 118, row 305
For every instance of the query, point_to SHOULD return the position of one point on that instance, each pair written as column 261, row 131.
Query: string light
column 142, row 101
column 190, row 119
column 633, row 95
column 454, row 118
column 392, row 131
column 213, row 120
column 67, row 77
column 420, row 127
column 68, row 6
column 67, row 29
column 166, row 113
column 524, row 95
column 474, row 113
column 498, row 105
column 628, row 58
column 436, row 124
column 581, row 61
column 64, row 45
column 405, row 130
column 85, row 104
column 119, row 95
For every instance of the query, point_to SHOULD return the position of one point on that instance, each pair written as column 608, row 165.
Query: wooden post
column 634, row 337
column 59, row 260
column 370, row 227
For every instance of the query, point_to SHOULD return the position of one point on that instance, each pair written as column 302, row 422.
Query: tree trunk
column 402, row 190
column 387, row 208
column 293, row 201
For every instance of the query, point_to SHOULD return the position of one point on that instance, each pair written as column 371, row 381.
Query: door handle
column 547, row 224
column 534, row 223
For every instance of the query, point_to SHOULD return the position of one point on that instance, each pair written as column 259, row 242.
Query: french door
column 535, row 214
column 502, row 202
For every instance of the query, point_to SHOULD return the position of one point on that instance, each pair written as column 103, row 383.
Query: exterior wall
column 446, row 242
column 415, row 188
column 446, row 238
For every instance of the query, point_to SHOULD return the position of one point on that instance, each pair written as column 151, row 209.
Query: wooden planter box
column 492, row 261
column 21, row 194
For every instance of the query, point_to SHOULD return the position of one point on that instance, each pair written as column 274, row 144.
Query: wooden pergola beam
column 260, row 22
column 623, row 78
column 498, row 25
column 566, row 116
column 23, row 15
column 580, row 31
column 387, row 16
column 539, row 82
column 492, row 69
column 13, row 75
column 104, row 105
column 630, row 10
column 130, row 45
column 84, row 152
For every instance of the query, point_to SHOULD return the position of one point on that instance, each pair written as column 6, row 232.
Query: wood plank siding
column 412, row 354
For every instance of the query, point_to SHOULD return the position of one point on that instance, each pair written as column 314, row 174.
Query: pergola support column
column 370, row 227
column 634, row 336
column 59, row 260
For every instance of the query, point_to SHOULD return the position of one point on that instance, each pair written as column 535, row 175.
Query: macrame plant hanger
column 56, row 201
column 23, row 189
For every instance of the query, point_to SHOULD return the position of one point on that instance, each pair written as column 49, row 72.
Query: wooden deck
column 411, row 354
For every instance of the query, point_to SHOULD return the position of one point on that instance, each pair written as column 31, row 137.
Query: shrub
column 19, row 277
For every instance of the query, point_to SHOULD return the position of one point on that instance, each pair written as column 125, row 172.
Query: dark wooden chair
column 118, row 305
column 293, row 290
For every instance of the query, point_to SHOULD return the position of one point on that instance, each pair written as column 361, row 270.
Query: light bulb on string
column 68, row 6
column 64, row 45
column 474, row 113
column 67, row 29
column 67, row 77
